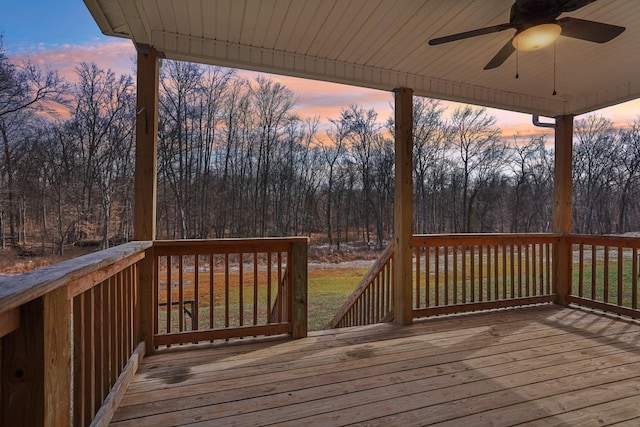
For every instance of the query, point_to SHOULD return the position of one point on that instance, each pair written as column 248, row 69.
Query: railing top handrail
column 604, row 240
column 203, row 246
column 230, row 242
column 375, row 268
column 22, row 288
column 479, row 238
column 474, row 235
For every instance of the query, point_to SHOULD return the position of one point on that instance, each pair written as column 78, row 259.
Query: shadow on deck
column 542, row 365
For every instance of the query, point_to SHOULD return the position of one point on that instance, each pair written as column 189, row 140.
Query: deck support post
column 562, row 192
column 298, row 276
column 36, row 364
column 144, row 224
column 403, row 209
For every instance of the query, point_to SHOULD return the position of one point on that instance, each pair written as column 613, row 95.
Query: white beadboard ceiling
column 382, row 44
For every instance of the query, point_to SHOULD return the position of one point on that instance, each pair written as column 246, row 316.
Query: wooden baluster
column 519, row 270
column 226, row 290
column 417, row 286
column 195, row 315
column 605, row 280
column 496, row 272
column 241, row 288
column 480, row 273
column 488, row 282
column 634, row 279
column 255, row 287
column 527, row 275
column 504, row 271
column 212, row 296
column 455, row 274
column 512, row 270
column 446, row 275
column 180, row 293
column 472, row 289
column 594, row 254
column 464, row 274
column 620, row 265
column 427, row 277
column 436, row 258
column 269, row 284
column 169, row 293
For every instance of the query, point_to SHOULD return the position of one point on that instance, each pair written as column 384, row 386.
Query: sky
column 60, row 34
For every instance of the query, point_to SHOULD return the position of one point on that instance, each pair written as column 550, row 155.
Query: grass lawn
column 329, row 286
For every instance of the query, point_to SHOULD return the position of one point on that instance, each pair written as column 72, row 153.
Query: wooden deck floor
column 543, row 365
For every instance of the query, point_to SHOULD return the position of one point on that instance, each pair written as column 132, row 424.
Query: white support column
column 403, row 214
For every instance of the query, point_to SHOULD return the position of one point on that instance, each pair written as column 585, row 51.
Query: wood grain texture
column 145, row 186
column 107, row 410
column 299, row 292
column 562, row 194
column 20, row 289
column 543, row 365
column 36, row 364
column 9, row 321
column 403, row 207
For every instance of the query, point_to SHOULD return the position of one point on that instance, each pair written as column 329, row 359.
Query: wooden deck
column 543, row 365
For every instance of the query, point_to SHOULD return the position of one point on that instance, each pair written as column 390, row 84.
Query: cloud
column 326, row 100
column 315, row 98
column 65, row 58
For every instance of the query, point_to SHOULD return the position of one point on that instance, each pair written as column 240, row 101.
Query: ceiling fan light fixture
column 536, row 37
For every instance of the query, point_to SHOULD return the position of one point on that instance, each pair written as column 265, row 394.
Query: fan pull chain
column 554, row 69
column 517, row 56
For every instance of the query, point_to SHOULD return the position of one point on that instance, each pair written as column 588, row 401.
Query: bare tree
column 475, row 138
column 333, row 152
column 594, row 162
column 103, row 129
column 628, row 177
column 24, row 89
column 532, row 180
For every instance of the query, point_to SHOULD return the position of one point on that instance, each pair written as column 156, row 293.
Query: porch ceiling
column 382, row 44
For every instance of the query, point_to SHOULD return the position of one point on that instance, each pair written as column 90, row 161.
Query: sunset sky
column 60, row 34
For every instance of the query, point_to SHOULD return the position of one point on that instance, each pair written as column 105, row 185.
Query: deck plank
column 541, row 365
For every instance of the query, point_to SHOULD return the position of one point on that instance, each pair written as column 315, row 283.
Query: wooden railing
column 70, row 339
column 372, row 300
column 459, row 273
column 470, row 272
column 605, row 273
column 232, row 285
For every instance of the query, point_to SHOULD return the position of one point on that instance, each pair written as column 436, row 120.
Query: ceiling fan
column 537, row 26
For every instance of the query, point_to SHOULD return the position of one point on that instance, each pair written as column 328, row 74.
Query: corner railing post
column 562, row 263
column 36, row 364
column 147, row 299
column 299, row 289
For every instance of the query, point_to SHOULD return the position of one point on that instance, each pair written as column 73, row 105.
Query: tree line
column 236, row 160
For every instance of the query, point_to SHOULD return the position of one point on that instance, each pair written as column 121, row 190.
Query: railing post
column 299, row 289
column 146, row 300
column 562, row 192
column 36, row 364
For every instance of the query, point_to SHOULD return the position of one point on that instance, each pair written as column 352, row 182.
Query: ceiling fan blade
column 501, row 56
column 591, row 31
column 572, row 5
column 469, row 34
